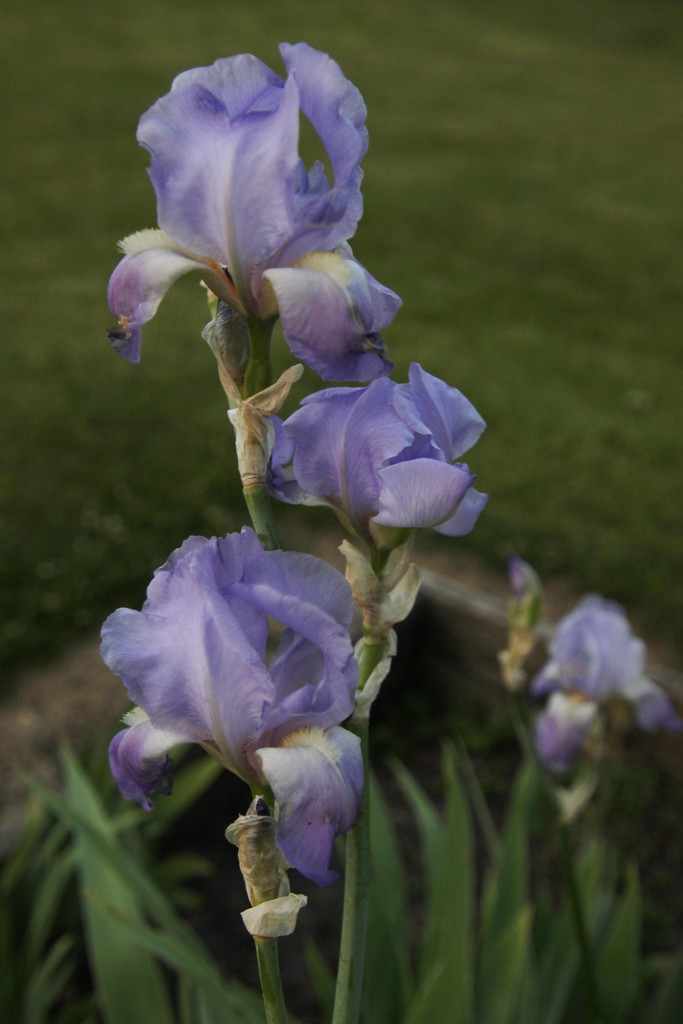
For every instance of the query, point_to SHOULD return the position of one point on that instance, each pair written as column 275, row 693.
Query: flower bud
column 523, row 613
column 527, row 592
column 227, row 335
column 384, row 597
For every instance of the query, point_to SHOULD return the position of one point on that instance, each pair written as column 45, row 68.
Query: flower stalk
column 357, row 874
column 259, row 375
column 260, row 511
column 271, row 984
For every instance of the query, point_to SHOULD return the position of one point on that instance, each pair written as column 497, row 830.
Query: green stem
column 349, row 989
column 355, row 915
column 271, row 985
column 261, row 512
column 259, row 373
column 587, row 960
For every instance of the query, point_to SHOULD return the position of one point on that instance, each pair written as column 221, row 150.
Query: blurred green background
column 522, row 194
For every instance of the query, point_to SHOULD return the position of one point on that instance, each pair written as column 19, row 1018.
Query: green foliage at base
column 461, row 930
column 512, row 956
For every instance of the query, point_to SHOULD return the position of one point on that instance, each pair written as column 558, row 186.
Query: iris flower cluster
column 594, row 660
column 269, row 237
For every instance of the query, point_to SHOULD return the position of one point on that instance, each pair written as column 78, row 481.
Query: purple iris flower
column 236, row 203
column 195, row 662
column 594, row 656
column 561, row 731
column 383, row 457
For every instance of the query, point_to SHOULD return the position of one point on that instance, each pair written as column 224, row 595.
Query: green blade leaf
column 47, row 982
column 508, row 889
column 129, row 984
column 388, row 976
column 619, row 965
column 558, row 953
column 504, row 966
column 47, row 901
column 426, row 818
column 237, row 1004
column 446, row 990
column 667, row 1002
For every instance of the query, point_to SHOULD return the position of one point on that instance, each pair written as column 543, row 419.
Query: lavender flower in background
column 383, row 457
column 194, row 660
column 236, row 203
column 563, row 729
column 594, row 657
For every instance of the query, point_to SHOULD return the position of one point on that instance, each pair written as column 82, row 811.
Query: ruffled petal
column 327, row 309
column 138, row 759
column 653, row 708
column 314, row 601
column 334, row 106
column 316, row 433
column 422, row 492
column 465, row 516
column 561, row 730
column 225, row 162
column 342, row 437
column 595, row 649
column 187, row 660
column 450, row 418
column 317, row 779
column 142, row 278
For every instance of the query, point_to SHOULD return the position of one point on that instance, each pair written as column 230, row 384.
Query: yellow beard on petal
column 314, row 738
column 328, row 263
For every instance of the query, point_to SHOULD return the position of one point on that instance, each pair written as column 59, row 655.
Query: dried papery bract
column 263, row 866
column 274, row 910
column 254, row 434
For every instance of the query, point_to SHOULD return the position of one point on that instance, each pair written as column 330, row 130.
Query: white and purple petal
column 547, row 680
column 562, row 729
column 329, row 318
column 138, row 758
column 317, row 779
column 153, row 262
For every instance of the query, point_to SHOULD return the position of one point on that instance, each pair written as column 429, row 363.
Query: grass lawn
column 523, row 195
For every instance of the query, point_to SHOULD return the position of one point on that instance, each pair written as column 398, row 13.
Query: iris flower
column 594, row 657
column 236, row 203
column 195, row 662
column 383, row 457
